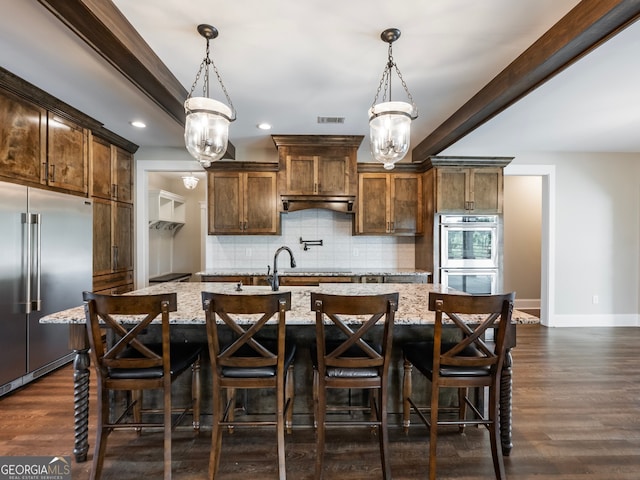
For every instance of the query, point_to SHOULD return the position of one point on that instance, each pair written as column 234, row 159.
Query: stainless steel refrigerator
column 45, row 264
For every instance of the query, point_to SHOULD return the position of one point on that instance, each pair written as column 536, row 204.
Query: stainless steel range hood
column 342, row 203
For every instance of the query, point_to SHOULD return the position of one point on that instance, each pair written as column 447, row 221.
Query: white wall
column 597, row 237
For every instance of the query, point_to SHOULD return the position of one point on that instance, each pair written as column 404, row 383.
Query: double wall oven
column 470, row 254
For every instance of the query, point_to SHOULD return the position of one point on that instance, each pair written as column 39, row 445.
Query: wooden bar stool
column 353, row 361
column 249, row 362
column 126, row 363
column 468, row 362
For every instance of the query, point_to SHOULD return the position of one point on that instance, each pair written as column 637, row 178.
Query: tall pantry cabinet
column 111, row 190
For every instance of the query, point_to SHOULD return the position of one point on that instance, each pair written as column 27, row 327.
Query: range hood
column 340, row 203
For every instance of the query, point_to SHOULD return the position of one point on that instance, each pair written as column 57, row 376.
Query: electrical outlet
column 247, row 252
column 356, row 252
column 595, row 299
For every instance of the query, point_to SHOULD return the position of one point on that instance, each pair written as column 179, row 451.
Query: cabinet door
column 333, row 175
column 260, row 207
column 101, row 179
column 301, row 174
column 373, row 205
column 122, row 236
column 67, row 155
column 406, row 204
column 102, row 236
column 22, row 139
column 225, row 193
column 451, row 189
column 122, row 166
column 485, row 185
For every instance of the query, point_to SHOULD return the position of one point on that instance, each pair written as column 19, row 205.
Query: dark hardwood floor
column 576, row 417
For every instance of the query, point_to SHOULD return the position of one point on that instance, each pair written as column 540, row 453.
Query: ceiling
column 287, row 63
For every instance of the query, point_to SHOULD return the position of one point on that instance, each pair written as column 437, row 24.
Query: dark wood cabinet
column 111, row 187
column 67, row 155
column 389, row 204
column 112, row 236
column 111, row 168
column 123, row 169
column 39, row 147
column 102, row 237
column 243, row 202
column 23, row 133
column 317, row 175
column 317, row 165
column 469, row 190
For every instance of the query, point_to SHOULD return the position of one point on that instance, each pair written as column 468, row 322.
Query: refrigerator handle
column 26, row 225
column 36, row 300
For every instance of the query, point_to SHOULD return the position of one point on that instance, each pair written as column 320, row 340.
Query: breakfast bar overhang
column 412, row 319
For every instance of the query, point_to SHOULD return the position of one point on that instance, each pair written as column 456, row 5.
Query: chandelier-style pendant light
column 190, row 182
column 206, row 130
column 389, row 121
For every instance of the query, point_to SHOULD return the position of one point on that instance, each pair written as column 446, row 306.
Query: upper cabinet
column 389, row 204
column 242, row 202
column 469, row 190
column 67, row 155
column 317, row 168
column 317, row 175
column 468, row 184
column 23, row 133
column 112, row 171
column 41, row 148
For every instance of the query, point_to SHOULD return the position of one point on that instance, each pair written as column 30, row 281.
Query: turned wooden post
column 79, row 343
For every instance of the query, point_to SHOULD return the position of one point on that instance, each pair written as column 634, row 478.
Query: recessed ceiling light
column 138, row 124
column 264, row 126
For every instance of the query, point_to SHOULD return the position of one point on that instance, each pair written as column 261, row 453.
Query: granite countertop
column 316, row 272
column 412, row 302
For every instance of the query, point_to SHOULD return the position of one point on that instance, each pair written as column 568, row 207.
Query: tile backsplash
column 340, row 249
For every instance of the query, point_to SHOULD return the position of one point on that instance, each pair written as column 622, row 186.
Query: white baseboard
column 604, row 320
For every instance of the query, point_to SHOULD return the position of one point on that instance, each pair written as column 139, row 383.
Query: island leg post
column 78, row 342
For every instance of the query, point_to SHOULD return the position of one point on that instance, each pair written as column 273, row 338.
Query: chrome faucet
column 274, row 281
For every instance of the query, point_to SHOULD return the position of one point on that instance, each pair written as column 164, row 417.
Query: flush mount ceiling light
column 389, row 121
column 206, row 130
column 190, row 182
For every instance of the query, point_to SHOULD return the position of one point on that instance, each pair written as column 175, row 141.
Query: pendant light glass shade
column 206, row 131
column 390, row 131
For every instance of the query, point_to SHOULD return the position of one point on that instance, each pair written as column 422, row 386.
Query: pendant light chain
column 206, row 62
column 385, row 81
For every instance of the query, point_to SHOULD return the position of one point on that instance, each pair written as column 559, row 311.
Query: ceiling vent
column 330, row 119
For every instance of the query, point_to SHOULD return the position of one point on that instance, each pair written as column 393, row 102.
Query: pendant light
column 390, row 121
column 190, row 182
column 206, row 131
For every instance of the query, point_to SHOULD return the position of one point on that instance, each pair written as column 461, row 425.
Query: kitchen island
column 413, row 320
